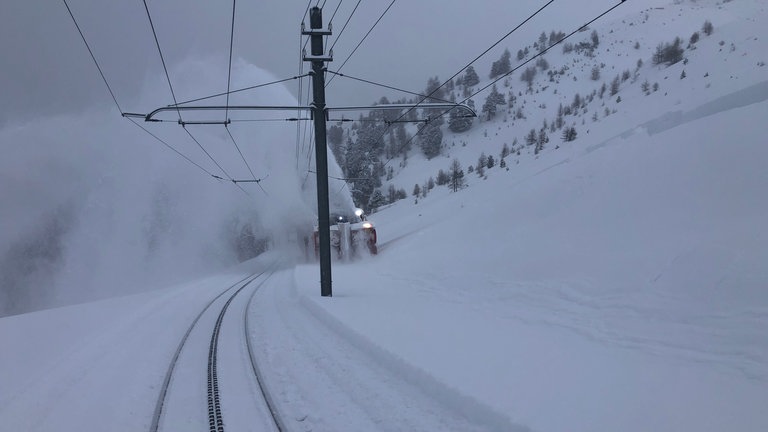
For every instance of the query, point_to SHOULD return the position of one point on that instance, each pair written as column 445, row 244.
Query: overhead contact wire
column 384, row 85
column 229, row 70
column 534, row 57
column 344, row 27
column 173, row 149
column 93, row 57
column 303, row 17
column 162, row 59
column 114, row 98
column 495, row 44
column 229, row 81
column 363, row 40
column 334, row 12
column 239, row 90
column 227, row 176
column 401, row 116
column 544, row 51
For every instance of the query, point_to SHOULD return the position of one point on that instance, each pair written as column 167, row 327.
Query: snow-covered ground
column 622, row 289
column 615, row 283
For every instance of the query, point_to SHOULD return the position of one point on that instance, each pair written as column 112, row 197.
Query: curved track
column 185, row 370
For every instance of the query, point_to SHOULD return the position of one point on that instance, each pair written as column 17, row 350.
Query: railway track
column 190, row 353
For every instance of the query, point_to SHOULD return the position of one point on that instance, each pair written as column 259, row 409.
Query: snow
column 614, row 295
column 617, row 282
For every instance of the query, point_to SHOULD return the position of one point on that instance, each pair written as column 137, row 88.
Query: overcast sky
column 46, row 68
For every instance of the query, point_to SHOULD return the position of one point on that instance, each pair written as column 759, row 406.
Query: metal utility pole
column 320, row 117
column 321, row 148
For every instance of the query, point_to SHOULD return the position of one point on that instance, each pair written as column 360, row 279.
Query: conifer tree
column 377, row 200
column 694, row 38
column 391, row 194
column 470, row 77
column 434, row 91
column 569, row 134
column 542, row 41
column 481, row 163
column 528, row 75
column 430, row 140
column 456, row 175
column 493, row 99
column 615, row 85
column 531, row 138
column 542, row 138
column 504, row 151
column 443, row 178
column 595, row 75
column 502, row 65
column 458, row 121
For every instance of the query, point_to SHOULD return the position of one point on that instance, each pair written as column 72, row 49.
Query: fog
column 95, row 207
column 92, row 206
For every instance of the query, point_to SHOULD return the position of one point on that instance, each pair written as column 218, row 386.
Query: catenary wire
column 363, row 40
column 240, row 90
column 162, row 59
column 542, row 52
column 330, row 21
column 170, row 147
column 303, row 17
column 384, row 86
column 228, row 177
column 226, row 127
column 344, row 27
column 93, row 57
column 539, row 54
column 135, row 123
column 229, row 81
column 114, row 98
column 298, row 99
column 495, row 44
column 291, row 119
column 229, row 69
column 397, row 120
column 343, row 179
column 306, row 128
column 173, row 94
column 334, row 14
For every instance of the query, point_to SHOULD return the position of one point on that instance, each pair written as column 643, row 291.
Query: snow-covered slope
column 623, row 288
column 730, row 60
column 617, row 282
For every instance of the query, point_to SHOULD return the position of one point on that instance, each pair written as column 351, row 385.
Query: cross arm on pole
column 152, row 115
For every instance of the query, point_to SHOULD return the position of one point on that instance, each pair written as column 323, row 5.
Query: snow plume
column 94, row 207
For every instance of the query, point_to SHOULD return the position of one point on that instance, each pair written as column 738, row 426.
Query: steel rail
column 215, row 418
column 271, row 404
column 169, row 373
